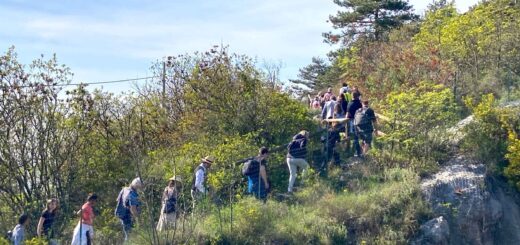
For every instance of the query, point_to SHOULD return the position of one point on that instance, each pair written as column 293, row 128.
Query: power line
column 90, row 83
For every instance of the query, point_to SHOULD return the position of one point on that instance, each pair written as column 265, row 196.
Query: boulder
column 475, row 207
column 433, row 232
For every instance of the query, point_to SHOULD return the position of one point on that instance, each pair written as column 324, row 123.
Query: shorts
column 365, row 136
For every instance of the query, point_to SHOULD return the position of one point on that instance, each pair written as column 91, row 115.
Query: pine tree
column 369, row 18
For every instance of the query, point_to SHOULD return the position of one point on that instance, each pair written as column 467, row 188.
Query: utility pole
column 164, row 84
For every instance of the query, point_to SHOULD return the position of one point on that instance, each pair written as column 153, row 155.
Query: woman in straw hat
column 169, row 203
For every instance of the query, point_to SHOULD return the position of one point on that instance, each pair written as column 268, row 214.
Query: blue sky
column 104, row 40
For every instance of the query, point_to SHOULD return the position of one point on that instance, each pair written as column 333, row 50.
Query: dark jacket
column 352, row 107
column 301, row 147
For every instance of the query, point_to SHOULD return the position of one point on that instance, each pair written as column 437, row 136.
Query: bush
column 493, row 137
column 415, row 120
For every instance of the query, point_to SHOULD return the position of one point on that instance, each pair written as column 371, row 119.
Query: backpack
column 296, row 147
column 9, row 236
column 250, row 167
column 361, row 118
column 121, row 209
column 170, row 204
column 348, row 96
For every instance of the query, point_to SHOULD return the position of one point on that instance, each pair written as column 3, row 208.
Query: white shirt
column 328, row 109
column 344, row 90
column 18, row 234
column 199, row 179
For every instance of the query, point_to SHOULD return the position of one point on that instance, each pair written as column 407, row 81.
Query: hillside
column 444, row 169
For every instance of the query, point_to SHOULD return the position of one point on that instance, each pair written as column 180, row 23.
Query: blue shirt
column 18, row 234
column 128, row 197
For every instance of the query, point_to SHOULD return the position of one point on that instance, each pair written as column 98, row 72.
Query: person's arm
column 133, row 210
column 374, row 121
column 39, row 230
column 263, row 174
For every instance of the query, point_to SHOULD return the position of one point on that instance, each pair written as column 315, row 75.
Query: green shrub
column 415, row 119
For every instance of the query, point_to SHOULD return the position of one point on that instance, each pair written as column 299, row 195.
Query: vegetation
column 421, row 76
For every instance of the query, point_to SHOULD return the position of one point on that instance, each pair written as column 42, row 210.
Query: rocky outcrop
column 475, row 208
column 434, row 232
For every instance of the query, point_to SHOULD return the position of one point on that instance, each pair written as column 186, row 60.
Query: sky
column 104, row 40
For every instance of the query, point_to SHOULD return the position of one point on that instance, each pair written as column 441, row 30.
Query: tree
column 311, row 75
column 370, row 18
column 318, row 75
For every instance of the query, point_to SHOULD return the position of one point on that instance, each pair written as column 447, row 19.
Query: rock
column 456, row 133
column 433, row 232
column 472, row 205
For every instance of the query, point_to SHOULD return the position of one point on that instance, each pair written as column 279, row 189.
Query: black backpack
column 250, row 167
column 170, row 204
column 9, row 236
column 296, row 147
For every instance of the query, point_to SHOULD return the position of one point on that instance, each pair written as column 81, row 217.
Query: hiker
column 84, row 231
column 352, row 107
column 18, row 233
column 169, row 203
column 198, row 189
column 322, row 100
column 343, row 103
column 328, row 110
column 345, row 90
column 46, row 222
column 314, row 103
column 333, row 137
column 328, row 95
column 297, row 151
column 256, row 172
column 128, row 206
column 365, row 123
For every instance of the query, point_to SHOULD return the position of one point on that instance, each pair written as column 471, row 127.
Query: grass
column 384, row 206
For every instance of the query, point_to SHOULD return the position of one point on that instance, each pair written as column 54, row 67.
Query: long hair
column 48, row 204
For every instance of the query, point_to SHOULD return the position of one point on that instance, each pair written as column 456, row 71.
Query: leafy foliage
column 416, row 119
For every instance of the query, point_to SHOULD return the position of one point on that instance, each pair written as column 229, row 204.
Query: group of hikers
column 347, row 116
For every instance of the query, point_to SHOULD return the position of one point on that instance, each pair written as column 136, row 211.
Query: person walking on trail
column 343, row 103
column 46, row 223
column 18, row 233
column 333, row 137
column 169, row 199
column 328, row 109
column 328, row 94
column 366, row 124
column 345, row 90
column 128, row 206
column 198, row 188
column 297, row 152
column 352, row 107
column 314, row 103
column 322, row 100
column 256, row 172
column 84, row 231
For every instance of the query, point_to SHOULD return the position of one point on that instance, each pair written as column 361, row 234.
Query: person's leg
column 126, row 228
column 292, row 173
column 193, row 200
column 367, row 142
column 303, row 165
column 357, row 147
